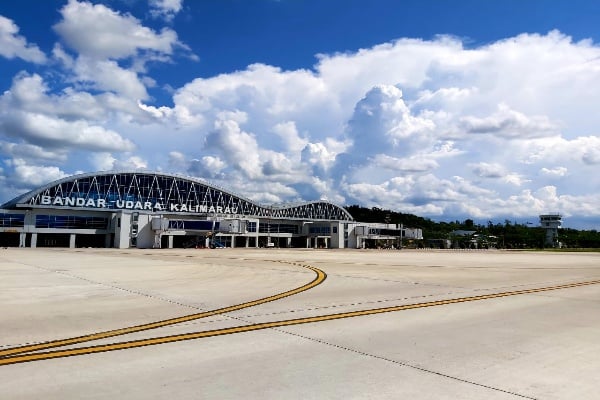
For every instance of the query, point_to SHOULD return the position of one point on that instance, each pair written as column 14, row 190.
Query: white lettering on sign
column 134, row 205
column 72, row 202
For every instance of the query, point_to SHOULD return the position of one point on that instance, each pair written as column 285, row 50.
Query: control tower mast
column 551, row 223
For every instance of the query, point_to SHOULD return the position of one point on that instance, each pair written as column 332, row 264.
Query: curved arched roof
column 163, row 192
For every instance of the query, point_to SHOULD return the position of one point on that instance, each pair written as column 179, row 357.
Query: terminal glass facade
column 70, row 222
column 12, row 220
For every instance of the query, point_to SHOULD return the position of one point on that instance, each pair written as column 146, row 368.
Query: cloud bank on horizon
column 434, row 127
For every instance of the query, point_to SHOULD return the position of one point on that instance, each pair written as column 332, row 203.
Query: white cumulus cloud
column 96, row 31
column 166, row 9
column 432, row 127
column 12, row 45
column 554, row 172
column 34, row 175
column 51, row 132
column 510, row 124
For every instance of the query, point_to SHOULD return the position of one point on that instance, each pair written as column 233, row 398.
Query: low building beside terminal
column 123, row 209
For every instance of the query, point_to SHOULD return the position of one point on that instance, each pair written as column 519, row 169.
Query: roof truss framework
column 168, row 190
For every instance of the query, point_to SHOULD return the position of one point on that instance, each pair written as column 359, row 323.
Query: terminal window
column 70, row 222
column 12, row 220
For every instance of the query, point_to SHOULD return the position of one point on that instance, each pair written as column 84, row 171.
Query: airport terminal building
column 123, row 209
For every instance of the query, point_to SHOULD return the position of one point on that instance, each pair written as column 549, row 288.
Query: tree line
column 511, row 235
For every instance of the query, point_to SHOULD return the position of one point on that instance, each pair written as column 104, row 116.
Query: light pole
column 401, row 232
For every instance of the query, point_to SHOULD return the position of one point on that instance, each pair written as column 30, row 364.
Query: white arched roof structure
column 160, row 192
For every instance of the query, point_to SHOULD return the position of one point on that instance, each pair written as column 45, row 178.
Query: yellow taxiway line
column 275, row 324
column 319, row 278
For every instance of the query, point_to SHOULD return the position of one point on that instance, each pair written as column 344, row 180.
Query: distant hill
column 511, row 235
column 375, row 214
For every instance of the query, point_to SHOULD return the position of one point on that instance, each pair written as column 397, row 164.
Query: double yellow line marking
column 20, row 358
column 6, row 354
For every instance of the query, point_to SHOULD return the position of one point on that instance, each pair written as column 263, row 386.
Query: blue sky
column 448, row 110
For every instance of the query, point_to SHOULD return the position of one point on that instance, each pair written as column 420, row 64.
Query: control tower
column 551, row 223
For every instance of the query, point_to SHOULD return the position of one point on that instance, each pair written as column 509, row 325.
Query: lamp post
column 401, row 233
